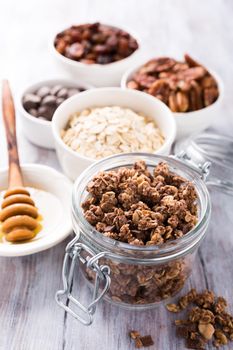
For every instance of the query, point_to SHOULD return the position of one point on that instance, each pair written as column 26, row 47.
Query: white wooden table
column 29, row 316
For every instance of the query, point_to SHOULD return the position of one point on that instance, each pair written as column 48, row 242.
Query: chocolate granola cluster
column 145, row 284
column 206, row 320
column 134, row 206
column 141, row 341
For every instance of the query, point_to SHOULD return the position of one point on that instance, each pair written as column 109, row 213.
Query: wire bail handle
column 202, row 168
column 102, row 273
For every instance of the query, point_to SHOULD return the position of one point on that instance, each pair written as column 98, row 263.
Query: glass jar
column 138, row 277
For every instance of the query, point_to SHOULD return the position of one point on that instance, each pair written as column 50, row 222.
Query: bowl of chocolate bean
column 37, row 105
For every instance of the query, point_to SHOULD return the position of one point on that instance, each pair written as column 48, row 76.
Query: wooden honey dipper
column 18, row 215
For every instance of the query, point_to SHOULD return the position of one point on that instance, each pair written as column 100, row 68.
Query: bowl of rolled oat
column 102, row 122
column 192, row 92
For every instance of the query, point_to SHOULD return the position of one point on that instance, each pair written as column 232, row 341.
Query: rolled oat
column 104, row 131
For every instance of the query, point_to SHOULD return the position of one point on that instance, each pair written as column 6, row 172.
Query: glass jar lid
column 212, row 155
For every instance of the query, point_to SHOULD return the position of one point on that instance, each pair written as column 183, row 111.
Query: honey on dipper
column 18, row 215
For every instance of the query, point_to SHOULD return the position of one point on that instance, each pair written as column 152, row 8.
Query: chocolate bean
column 72, row 92
column 49, row 100
column 46, row 112
column 33, row 112
column 31, row 101
column 43, row 91
column 43, row 111
column 54, row 90
column 63, row 93
column 44, row 101
column 59, row 100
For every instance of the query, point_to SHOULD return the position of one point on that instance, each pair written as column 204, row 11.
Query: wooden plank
column 29, row 316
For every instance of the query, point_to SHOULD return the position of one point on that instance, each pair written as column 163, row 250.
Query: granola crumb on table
column 141, row 341
column 206, row 321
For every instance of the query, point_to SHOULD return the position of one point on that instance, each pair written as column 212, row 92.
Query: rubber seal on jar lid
column 213, row 150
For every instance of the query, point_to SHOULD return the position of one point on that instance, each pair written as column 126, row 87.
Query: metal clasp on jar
column 64, row 297
column 202, row 168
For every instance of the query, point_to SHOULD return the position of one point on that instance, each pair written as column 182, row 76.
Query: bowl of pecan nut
column 192, row 92
column 95, row 52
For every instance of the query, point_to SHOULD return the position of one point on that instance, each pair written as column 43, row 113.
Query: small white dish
column 38, row 131
column 73, row 163
column 98, row 75
column 51, row 192
column 189, row 122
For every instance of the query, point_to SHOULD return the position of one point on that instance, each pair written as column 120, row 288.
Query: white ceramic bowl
column 73, row 163
column 54, row 206
column 38, row 131
column 96, row 74
column 190, row 122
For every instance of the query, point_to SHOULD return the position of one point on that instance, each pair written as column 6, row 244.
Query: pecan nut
column 183, row 86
